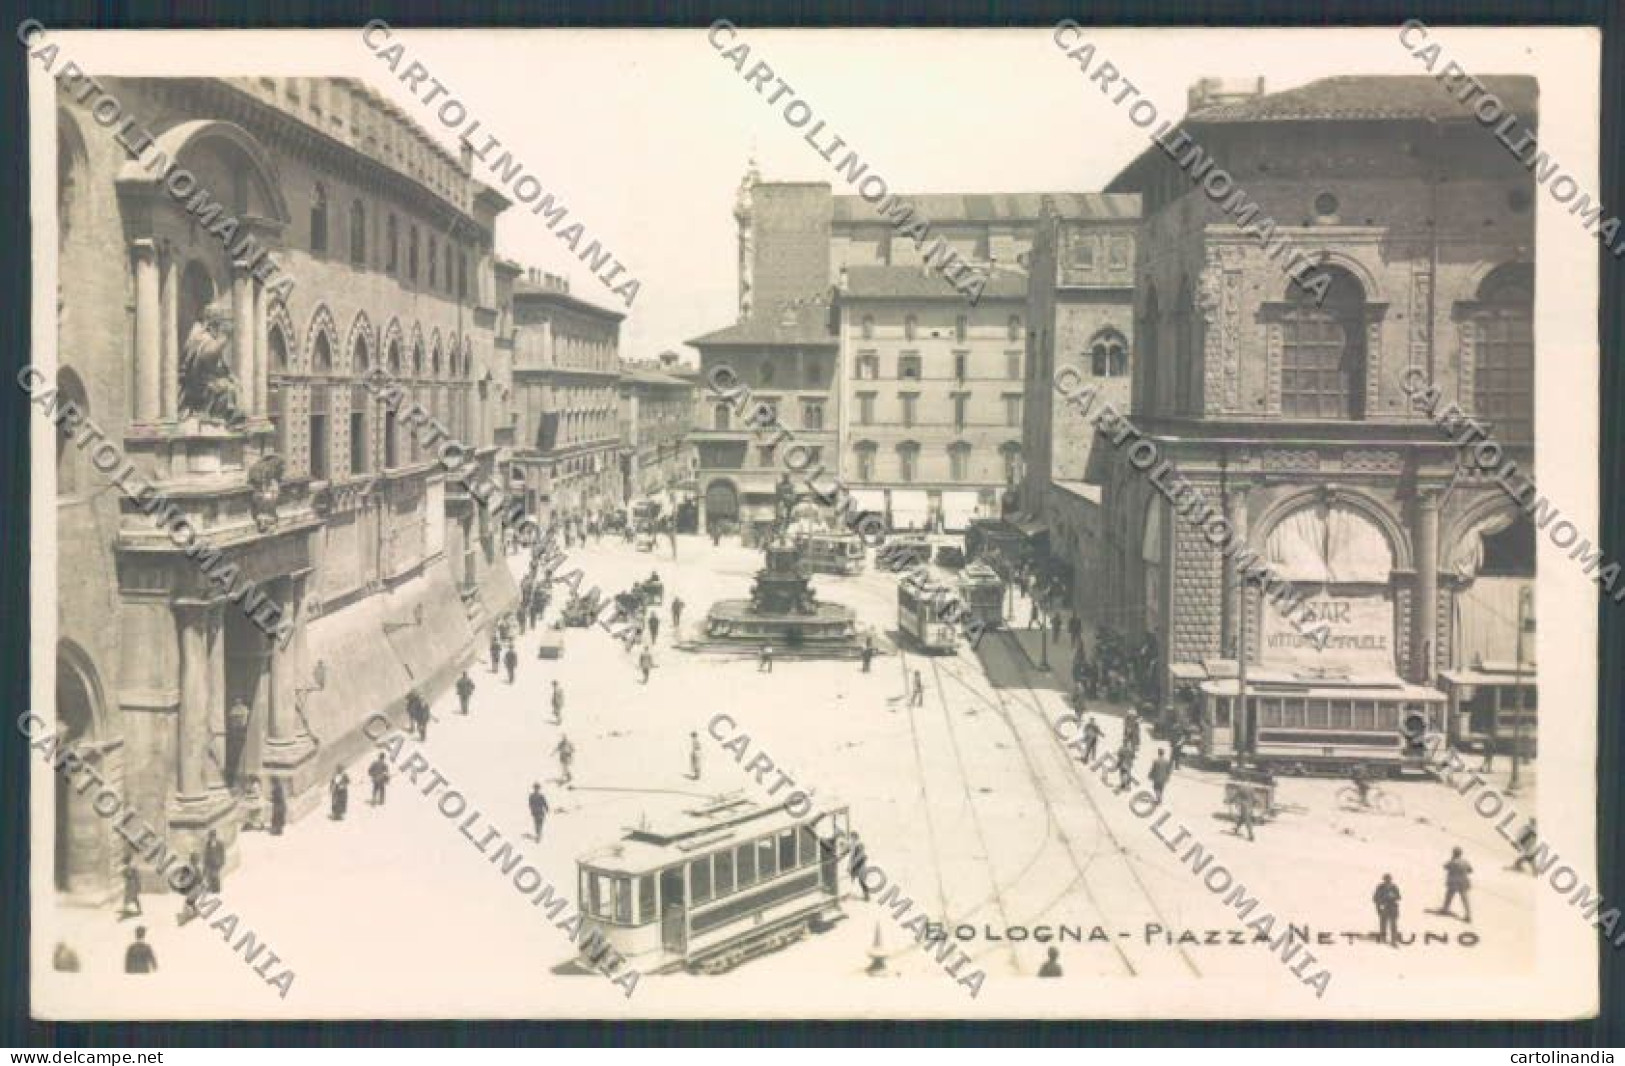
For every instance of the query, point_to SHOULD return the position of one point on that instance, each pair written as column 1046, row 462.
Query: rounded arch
column 360, row 347
column 181, row 140
column 1489, row 512
column 1370, row 288
column 721, row 501
column 81, row 701
column 1399, row 544
column 1512, row 282
column 321, row 341
column 72, row 163
column 1488, row 276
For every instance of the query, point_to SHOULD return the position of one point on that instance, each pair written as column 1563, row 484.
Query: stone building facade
column 657, row 410
column 566, row 403
column 1286, row 402
column 295, row 492
column 1080, row 303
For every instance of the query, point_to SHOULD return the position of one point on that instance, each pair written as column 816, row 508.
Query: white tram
column 1299, row 727
column 716, row 885
column 929, row 611
column 833, row 553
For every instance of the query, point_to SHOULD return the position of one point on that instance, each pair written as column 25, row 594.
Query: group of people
column 1118, row 672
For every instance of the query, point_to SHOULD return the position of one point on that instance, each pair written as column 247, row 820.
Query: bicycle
column 1377, row 800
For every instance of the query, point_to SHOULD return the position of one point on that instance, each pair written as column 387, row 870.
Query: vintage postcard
column 736, row 522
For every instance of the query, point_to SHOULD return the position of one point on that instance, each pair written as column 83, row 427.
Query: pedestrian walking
column 338, row 791
column 654, row 627
column 716, row 536
column 1244, row 812
column 916, row 696
column 465, row 691
column 1160, row 770
column 194, row 889
column 566, row 753
column 868, row 653
column 1074, row 628
column 1528, row 845
column 496, row 653
column 1125, row 766
column 138, row 957
column 1386, row 898
column 1176, row 739
column 132, row 892
column 379, row 773
column 1091, row 739
column 523, row 618
column 538, row 811
column 558, row 703
column 1052, row 963
column 694, row 755
column 764, row 662
column 214, row 861
column 510, row 660
column 1055, row 627
column 860, row 857
column 646, row 663
column 279, row 808
column 676, row 615
column 1457, row 880
column 1035, row 617
column 1487, row 764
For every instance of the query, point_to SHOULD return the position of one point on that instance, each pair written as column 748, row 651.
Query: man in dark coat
column 676, row 612
column 465, row 691
column 1386, row 898
column 1091, row 739
column 558, row 703
column 654, row 627
column 1159, row 773
column 1457, row 880
column 538, row 810
column 379, row 773
column 510, row 660
column 214, row 861
column 339, row 794
column 868, row 652
column 132, row 892
column 138, row 957
column 496, row 652
column 279, row 808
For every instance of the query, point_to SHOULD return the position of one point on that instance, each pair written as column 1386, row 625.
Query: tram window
column 594, row 902
column 787, row 850
column 1342, row 714
column 723, row 867
column 746, row 855
column 1294, row 713
column 1316, row 713
column 646, row 898
column 622, row 891
column 1365, row 715
column 1387, row 716
column 764, row 858
column 809, row 846
column 1269, row 713
column 699, row 879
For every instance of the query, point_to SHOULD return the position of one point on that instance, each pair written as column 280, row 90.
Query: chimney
column 1215, row 92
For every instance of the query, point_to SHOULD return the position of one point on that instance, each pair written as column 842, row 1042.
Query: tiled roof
column 994, row 207
column 523, row 286
column 914, row 283
column 645, row 376
column 1354, row 98
column 799, row 324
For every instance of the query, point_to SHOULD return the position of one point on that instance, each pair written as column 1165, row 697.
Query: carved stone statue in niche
column 265, row 477
column 208, row 388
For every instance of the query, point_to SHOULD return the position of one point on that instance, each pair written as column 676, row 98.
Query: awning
column 910, row 509
column 958, row 508
column 1475, row 677
column 1030, row 526
column 868, row 500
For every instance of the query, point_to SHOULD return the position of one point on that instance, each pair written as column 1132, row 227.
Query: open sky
column 646, row 134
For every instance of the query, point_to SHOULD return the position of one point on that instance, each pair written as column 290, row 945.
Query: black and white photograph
column 742, row 522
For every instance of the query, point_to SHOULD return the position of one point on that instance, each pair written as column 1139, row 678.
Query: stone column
column 242, row 335
column 214, row 758
column 1230, row 599
column 148, row 316
column 262, row 351
column 192, row 743
column 288, row 744
column 169, row 340
column 1425, row 610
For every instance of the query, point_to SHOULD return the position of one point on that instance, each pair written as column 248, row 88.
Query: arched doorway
column 721, row 504
column 79, row 858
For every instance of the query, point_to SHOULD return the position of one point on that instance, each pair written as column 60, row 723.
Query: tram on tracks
column 1493, row 709
column 929, row 611
column 1318, row 728
column 982, row 591
column 833, row 553
column 717, row 885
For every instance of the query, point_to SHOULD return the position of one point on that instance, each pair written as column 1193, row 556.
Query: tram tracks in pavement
column 1054, row 826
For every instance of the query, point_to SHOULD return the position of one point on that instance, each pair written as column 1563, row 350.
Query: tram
column 929, row 612
column 833, row 553
column 717, row 885
column 1493, row 709
column 982, row 591
column 1325, row 728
